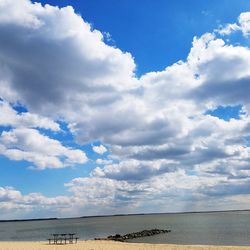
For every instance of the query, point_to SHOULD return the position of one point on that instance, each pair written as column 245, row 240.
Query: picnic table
column 63, row 238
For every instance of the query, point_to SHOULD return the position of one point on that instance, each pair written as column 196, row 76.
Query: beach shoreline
column 109, row 245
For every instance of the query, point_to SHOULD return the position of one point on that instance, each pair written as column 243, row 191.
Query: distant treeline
column 28, row 220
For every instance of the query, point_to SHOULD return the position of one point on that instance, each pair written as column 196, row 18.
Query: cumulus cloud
column 30, row 145
column 76, row 65
column 135, row 170
column 8, row 194
column 16, row 205
column 103, row 161
column 99, row 149
column 189, row 193
column 10, row 117
column 24, row 142
column 244, row 21
column 98, row 195
column 243, row 25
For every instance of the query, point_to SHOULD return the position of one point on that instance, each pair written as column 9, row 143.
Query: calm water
column 224, row 228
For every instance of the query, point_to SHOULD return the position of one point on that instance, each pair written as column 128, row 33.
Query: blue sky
column 156, row 33
column 109, row 107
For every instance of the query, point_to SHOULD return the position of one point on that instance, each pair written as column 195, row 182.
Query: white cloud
column 135, row 170
column 76, row 59
column 10, row 117
column 228, row 29
column 244, row 21
column 8, row 194
column 21, row 14
column 16, row 205
column 104, row 161
column 99, row 149
column 174, row 191
column 243, row 25
column 30, row 145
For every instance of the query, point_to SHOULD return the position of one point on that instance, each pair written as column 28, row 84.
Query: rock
column 144, row 233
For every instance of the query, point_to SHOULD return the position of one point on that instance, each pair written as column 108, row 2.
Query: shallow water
column 220, row 228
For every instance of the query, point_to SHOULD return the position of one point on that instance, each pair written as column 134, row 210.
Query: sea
column 213, row 228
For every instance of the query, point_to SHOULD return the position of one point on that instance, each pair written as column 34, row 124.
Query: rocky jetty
column 135, row 235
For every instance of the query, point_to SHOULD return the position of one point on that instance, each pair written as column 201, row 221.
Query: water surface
column 220, row 228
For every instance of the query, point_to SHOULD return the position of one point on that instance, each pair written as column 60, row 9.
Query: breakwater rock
column 144, row 233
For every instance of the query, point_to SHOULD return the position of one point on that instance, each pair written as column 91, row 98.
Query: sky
column 110, row 107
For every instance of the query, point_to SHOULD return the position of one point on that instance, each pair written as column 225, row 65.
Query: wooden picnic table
column 63, row 238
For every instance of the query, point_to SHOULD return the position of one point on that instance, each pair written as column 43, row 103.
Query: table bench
column 60, row 239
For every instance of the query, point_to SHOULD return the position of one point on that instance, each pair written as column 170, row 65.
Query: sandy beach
column 109, row 245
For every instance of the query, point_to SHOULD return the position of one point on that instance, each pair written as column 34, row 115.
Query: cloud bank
column 164, row 146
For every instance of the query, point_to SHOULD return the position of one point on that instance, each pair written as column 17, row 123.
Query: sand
column 108, row 245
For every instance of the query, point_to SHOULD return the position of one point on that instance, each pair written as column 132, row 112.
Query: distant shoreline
column 39, row 219
column 116, row 215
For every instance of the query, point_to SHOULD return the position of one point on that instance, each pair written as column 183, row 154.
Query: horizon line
column 132, row 214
